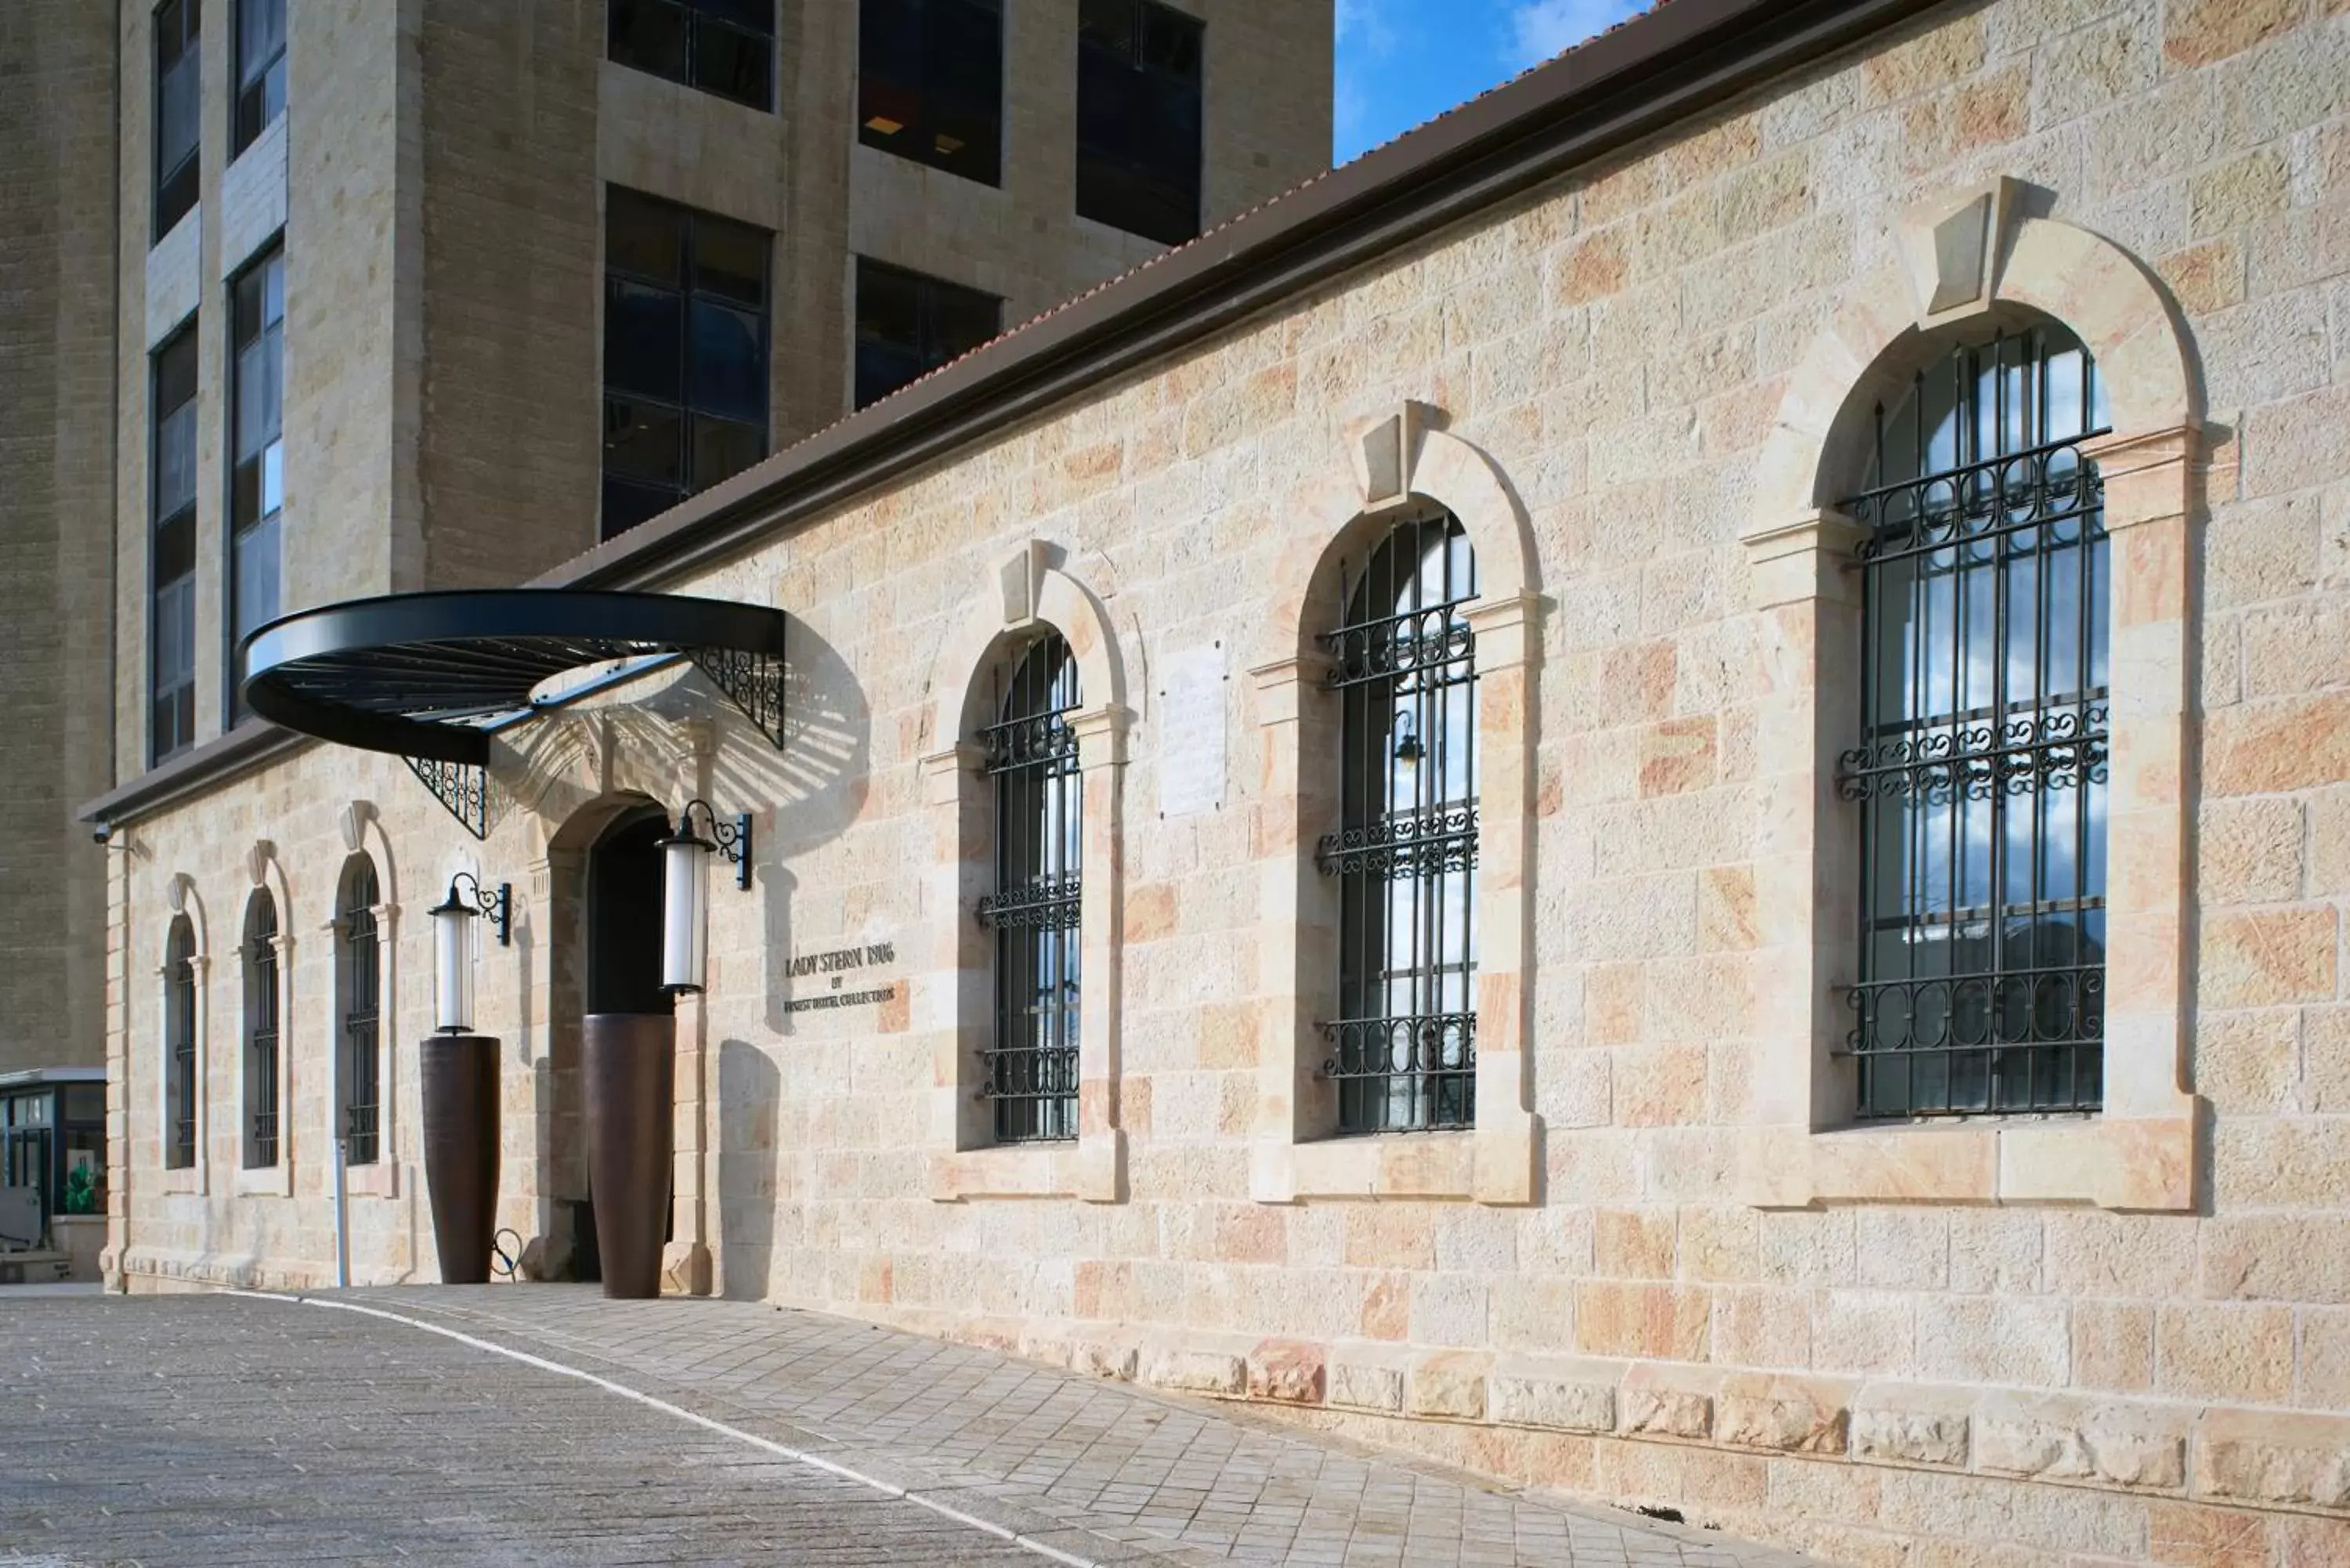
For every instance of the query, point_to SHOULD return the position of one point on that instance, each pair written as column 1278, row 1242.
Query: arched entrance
column 607, row 877
column 624, row 915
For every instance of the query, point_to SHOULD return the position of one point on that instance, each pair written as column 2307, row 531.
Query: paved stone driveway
column 533, row 1466
column 210, row 1429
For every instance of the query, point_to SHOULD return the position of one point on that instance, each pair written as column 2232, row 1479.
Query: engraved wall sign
column 836, row 964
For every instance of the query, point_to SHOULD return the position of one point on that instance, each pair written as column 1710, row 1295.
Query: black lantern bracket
column 497, row 908
column 731, row 841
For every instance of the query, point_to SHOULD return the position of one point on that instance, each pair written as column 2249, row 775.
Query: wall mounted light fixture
column 684, row 920
column 453, row 950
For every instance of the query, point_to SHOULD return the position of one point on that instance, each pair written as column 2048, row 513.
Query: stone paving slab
column 1191, row 1481
column 218, row 1430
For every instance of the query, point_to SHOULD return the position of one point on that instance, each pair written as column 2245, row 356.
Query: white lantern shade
column 452, row 967
column 684, row 934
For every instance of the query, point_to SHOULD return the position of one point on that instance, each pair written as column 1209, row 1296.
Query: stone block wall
column 56, row 456
column 1921, row 1346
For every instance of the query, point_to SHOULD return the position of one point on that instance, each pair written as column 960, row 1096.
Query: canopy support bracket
column 752, row 680
column 461, row 788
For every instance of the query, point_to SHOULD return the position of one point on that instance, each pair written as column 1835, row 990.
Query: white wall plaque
column 1191, row 737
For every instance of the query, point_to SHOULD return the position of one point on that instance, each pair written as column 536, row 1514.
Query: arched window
column 357, row 978
column 1981, row 772
column 1031, row 754
column 260, row 956
column 1404, row 667
column 179, row 1046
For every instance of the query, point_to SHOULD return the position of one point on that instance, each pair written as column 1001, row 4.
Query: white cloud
column 1366, row 40
column 1543, row 28
column 1350, row 110
column 1364, row 25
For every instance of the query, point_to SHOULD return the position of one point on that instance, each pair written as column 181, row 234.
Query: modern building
column 1649, row 794
column 57, row 491
column 313, row 298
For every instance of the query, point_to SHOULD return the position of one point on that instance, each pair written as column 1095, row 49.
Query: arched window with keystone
column 1403, row 666
column 1981, row 769
column 1030, row 1063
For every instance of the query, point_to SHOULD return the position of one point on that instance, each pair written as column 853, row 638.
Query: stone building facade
column 435, row 178
column 56, row 478
column 1629, row 323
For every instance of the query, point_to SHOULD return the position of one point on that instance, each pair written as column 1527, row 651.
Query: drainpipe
column 342, row 1215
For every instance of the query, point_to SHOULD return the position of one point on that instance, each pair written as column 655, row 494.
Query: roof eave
column 1663, row 67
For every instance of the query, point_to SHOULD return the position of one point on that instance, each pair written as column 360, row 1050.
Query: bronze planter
column 460, row 1151
column 632, row 1069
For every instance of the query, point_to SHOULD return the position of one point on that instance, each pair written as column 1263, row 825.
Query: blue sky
column 1401, row 62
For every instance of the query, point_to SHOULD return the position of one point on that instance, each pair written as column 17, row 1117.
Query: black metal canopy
column 429, row 676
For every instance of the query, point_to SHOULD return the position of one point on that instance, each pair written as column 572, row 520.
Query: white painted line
column 780, row 1450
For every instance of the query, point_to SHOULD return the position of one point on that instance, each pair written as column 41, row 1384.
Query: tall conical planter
column 460, row 1151
column 632, row 1069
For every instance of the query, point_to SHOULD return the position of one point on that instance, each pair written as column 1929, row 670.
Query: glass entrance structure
column 53, row 1141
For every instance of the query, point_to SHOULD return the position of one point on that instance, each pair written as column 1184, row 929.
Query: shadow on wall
column 826, row 765
column 750, row 1087
column 804, row 796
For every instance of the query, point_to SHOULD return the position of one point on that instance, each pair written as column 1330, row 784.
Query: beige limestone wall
column 56, row 360
column 511, row 278
column 2100, row 1375
column 352, row 525
column 350, row 358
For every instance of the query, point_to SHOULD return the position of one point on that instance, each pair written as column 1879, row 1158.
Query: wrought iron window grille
column 1434, row 639
column 1047, row 903
column 183, row 1106
column 1985, row 743
column 180, row 1043
column 1403, row 669
column 261, row 1034
column 1431, row 1059
column 1029, row 1067
column 362, row 1065
column 1041, row 741
column 1415, row 844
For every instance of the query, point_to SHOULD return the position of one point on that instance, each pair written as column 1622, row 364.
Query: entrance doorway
column 621, row 968
column 624, row 915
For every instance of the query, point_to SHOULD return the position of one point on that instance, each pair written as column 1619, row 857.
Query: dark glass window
column 171, row 565
column 1404, row 670
column 260, row 68
column 723, row 47
column 178, row 112
column 1138, row 118
column 179, row 1046
column 908, row 324
column 929, row 83
column 260, row 955
column 357, row 978
column 1981, row 774
column 685, row 353
column 257, row 471
column 1031, row 1066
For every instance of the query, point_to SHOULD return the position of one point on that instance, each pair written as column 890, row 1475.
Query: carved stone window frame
column 183, row 903
column 363, row 834
column 267, row 875
column 1974, row 256
column 1402, row 461
column 952, row 1002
